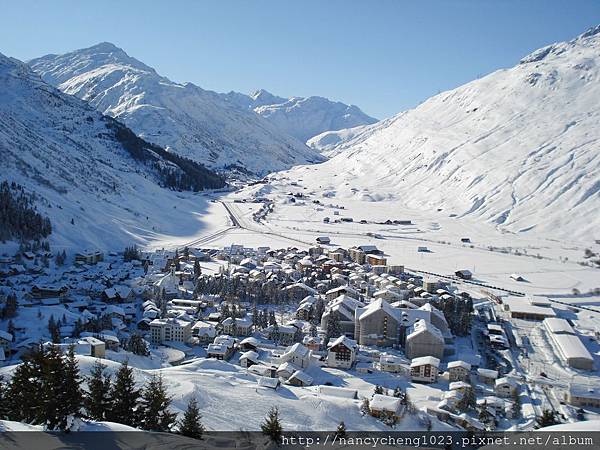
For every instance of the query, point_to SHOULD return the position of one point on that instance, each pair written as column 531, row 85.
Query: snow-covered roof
column 458, row 385
column 571, row 347
column 523, row 305
column 250, row 354
column 381, row 402
column 302, row 376
column 558, row 326
column 384, row 358
column 423, row 360
column 344, row 341
column 487, row 373
column 268, row 382
column 421, row 326
column 463, row 364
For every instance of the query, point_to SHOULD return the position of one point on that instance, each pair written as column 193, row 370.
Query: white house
column 171, row 329
column 424, row 369
column 391, row 363
column 384, row 404
column 341, row 352
column 458, row 371
column 297, row 354
column 505, row 387
column 249, row 358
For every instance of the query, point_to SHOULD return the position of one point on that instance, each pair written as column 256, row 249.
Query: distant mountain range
column 302, row 117
column 93, row 176
column 190, row 121
column 519, row 148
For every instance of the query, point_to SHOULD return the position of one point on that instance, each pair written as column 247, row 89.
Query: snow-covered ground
column 230, row 398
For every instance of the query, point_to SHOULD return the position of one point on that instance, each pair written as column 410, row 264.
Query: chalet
column 204, row 331
column 323, row 240
column 313, row 343
column 249, row 358
column 458, row 371
column 111, row 342
column 283, row 334
column 384, row 405
column 341, row 352
column 300, row 378
column 376, row 260
column 118, row 294
column 424, row 369
column 297, row 354
column 222, row 347
column 238, row 326
column 487, row 376
column 391, row 363
column 286, row 370
column 89, row 257
column 357, row 255
column 40, row 291
column 505, row 386
column 249, row 343
column 459, row 386
column 333, row 294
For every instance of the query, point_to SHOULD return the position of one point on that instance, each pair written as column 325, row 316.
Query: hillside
column 302, row 117
column 97, row 181
column 518, row 148
column 186, row 119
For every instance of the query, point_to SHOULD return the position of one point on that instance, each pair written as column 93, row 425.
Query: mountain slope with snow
column 190, row 121
column 99, row 183
column 302, row 117
column 519, row 148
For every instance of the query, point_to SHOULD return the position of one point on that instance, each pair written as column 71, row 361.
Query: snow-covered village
column 186, row 262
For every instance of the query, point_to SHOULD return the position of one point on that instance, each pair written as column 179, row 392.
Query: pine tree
column 379, row 390
column 54, row 400
column 516, row 406
column 137, row 345
column 398, row 392
column 4, row 404
column 341, row 430
column 25, row 389
column 97, row 399
column 72, row 385
column 154, row 406
column 365, row 407
column 190, row 425
column 468, row 401
column 11, row 329
column 272, row 426
column 333, row 330
column 197, row 270
column 125, row 397
column 547, row 419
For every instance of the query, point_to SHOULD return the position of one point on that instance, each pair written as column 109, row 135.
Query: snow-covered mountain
column 301, row 117
column 519, row 148
column 190, row 121
column 99, row 183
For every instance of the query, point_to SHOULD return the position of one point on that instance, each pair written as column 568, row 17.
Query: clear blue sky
column 382, row 55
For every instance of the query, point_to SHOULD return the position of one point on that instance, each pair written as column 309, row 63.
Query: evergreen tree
column 365, row 407
column 190, row 425
column 468, row 401
column 25, row 388
column 255, row 317
column 4, row 404
column 312, row 331
column 137, row 345
column 154, row 406
column 197, row 270
column 125, row 397
column 341, row 430
column 97, row 399
column 398, row 392
column 54, row 329
column 516, row 406
column 56, row 405
column 272, row 426
column 72, row 384
column 333, row 329
column 548, row 418
column 379, row 390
